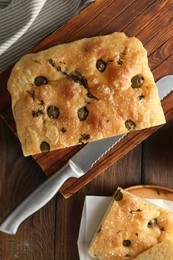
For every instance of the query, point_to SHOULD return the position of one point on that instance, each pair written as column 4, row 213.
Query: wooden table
column 52, row 232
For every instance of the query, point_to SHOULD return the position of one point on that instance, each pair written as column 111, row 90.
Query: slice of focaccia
column 130, row 226
column 161, row 251
column 83, row 91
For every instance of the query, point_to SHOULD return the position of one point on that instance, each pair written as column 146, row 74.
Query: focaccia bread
column 162, row 251
column 83, row 91
column 129, row 227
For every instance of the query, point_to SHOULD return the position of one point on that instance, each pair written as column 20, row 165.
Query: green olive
column 44, row 146
column 83, row 113
column 118, row 195
column 53, row 112
column 130, row 125
column 137, row 81
column 101, row 65
column 40, row 80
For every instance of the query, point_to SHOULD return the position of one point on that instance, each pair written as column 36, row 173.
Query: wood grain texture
column 161, row 164
column 18, row 177
column 106, row 17
column 152, row 192
column 52, row 232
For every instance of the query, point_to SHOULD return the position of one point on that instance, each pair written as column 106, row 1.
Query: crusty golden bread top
column 130, row 226
column 83, row 91
column 161, row 251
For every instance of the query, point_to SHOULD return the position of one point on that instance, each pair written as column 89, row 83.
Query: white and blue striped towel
column 23, row 23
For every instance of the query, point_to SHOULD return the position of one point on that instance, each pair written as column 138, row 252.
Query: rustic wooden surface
column 52, row 232
column 151, row 22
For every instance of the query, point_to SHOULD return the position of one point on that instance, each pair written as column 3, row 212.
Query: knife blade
column 78, row 165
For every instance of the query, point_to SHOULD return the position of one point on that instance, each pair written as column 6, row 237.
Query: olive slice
column 137, row 81
column 126, row 242
column 141, row 97
column 40, row 80
column 53, row 112
column 83, row 138
column 44, row 146
column 152, row 223
column 63, row 130
column 130, row 125
column 83, row 113
column 101, row 65
column 118, row 195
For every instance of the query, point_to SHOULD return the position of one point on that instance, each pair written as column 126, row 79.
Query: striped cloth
column 23, row 23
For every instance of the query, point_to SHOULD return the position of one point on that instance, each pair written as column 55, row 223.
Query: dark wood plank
column 158, row 157
column 18, row 177
column 130, row 12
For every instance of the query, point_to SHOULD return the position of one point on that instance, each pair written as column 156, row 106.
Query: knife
column 78, row 165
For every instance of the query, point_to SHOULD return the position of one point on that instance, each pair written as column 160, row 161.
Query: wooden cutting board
column 149, row 20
